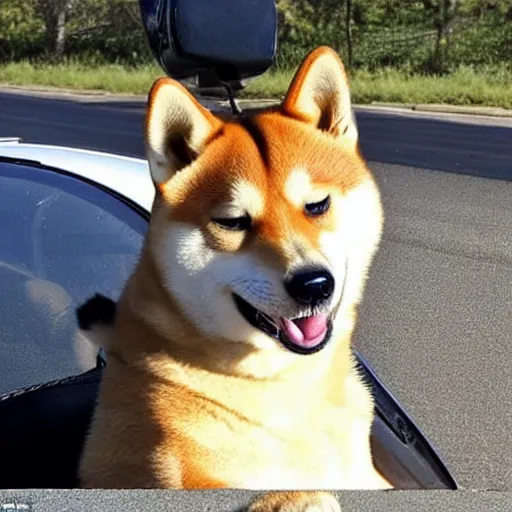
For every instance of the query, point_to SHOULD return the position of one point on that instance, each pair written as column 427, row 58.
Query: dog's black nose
column 311, row 286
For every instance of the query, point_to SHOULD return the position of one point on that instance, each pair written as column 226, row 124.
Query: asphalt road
column 237, row 501
column 436, row 319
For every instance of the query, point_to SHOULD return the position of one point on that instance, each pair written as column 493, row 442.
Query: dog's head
column 263, row 226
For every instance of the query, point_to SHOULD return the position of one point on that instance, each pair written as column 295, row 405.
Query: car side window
column 61, row 241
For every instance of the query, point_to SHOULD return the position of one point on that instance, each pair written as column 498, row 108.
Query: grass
column 82, row 76
column 465, row 86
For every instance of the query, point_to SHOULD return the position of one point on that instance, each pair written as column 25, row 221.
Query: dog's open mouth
column 305, row 335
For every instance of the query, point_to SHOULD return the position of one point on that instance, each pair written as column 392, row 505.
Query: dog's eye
column 235, row 223
column 319, row 208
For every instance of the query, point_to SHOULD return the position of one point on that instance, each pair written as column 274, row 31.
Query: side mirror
column 219, row 41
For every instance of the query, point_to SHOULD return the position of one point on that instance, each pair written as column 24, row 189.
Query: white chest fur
column 332, row 454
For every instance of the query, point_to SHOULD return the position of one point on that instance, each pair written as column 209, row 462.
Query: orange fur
column 185, row 408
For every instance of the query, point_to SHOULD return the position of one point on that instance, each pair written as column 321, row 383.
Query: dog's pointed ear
column 319, row 95
column 178, row 129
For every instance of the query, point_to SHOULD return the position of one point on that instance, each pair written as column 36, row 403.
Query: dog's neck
column 150, row 332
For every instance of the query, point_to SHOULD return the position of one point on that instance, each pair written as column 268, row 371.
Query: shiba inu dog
column 229, row 355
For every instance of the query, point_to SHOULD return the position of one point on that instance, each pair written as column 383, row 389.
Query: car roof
column 128, row 176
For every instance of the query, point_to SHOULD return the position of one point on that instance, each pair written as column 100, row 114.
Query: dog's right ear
column 178, row 129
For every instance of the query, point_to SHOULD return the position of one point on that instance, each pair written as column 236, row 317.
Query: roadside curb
column 394, row 107
column 438, row 108
column 441, row 108
column 99, row 96
column 70, row 94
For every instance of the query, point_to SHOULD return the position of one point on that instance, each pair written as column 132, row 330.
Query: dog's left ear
column 319, row 95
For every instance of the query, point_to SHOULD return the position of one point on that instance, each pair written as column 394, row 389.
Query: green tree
column 54, row 14
column 21, row 31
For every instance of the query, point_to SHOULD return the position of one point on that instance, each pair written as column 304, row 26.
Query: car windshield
column 431, row 95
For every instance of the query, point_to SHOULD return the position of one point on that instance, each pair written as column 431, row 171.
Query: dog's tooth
column 268, row 324
column 262, row 316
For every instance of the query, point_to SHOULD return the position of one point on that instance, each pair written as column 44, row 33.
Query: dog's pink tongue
column 306, row 332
